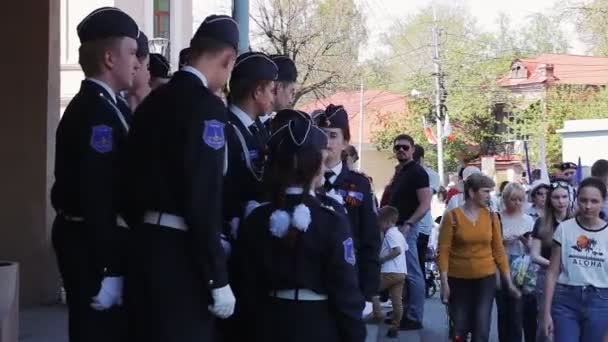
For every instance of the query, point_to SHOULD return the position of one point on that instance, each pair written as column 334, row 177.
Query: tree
column 543, row 34
column 472, row 62
column 542, row 119
column 321, row 36
column 591, row 20
column 471, row 65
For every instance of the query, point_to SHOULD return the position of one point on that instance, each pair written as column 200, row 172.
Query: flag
column 447, row 129
column 428, row 132
column 544, row 170
column 579, row 172
column 528, row 170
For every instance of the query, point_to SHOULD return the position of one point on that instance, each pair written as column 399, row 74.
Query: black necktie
column 328, row 184
column 253, row 128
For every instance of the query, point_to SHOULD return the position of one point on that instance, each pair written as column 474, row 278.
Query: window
column 518, row 70
column 162, row 21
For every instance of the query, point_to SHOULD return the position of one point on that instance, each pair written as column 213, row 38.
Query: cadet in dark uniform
column 184, row 56
column 141, row 83
column 284, row 90
column 177, row 275
column 159, row 70
column 355, row 190
column 88, row 233
column 283, row 116
column 295, row 255
column 285, row 86
column 251, row 87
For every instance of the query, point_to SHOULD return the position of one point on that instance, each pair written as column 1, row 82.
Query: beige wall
column 380, row 166
column 30, row 99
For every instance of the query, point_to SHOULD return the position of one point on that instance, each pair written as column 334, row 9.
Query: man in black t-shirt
column 411, row 195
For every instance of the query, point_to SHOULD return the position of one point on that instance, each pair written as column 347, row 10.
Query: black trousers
column 530, row 312
column 168, row 297
column 470, row 306
column 297, row 321
column 510, row 317
column 82, row 281
column 422, row 243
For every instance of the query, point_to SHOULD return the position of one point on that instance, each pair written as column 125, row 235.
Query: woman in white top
column 576, row 285
column 515, row 223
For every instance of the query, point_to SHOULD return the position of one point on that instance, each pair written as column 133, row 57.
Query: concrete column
column 240, row 13
column 181, row 27
column 30, row 102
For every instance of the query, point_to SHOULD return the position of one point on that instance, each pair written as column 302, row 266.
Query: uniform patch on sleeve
column 213, row 134
column 101, row 138
column 349, row 251
column 355, row 194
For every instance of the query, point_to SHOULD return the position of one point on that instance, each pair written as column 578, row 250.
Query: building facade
column 171, row 20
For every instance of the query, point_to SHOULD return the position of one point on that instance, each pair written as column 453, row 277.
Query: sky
column 381, row 13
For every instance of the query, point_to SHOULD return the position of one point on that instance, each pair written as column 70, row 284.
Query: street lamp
column 418, row 94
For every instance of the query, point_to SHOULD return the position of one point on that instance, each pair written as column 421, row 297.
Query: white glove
column 223, row 302
column 110, row 294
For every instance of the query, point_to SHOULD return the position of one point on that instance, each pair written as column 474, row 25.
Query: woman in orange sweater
column 470, row 249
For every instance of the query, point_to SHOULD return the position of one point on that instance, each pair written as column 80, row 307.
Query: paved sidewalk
column 49, row 324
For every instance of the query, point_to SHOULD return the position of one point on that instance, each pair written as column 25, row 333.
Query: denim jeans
column 580, row 313
column 470, row 306
column 540, row 305
column 414, row 302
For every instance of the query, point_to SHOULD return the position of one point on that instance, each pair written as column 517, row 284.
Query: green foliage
column 544, row 118
column 472, row 63
column 591, row 19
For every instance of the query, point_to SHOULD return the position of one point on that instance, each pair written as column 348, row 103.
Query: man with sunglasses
column 568, row 171
column 411, row 195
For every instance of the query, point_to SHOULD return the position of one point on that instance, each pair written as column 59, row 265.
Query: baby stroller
column 431, row 273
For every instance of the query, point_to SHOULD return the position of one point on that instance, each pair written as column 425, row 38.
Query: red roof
column 374, row 102
column 567, row 69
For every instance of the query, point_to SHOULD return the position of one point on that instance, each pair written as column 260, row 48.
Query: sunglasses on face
column 560, row 184
column 401, row 147
column 566, row 166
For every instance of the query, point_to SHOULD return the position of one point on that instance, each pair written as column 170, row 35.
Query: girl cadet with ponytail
column 296, row 257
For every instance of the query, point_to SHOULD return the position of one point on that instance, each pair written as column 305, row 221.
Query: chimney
column 546, row 70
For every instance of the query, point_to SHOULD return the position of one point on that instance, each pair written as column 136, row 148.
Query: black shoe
column 392, row 333
column 407, row 324
column 388, row 321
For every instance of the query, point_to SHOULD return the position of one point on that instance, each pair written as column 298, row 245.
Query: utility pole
column 438, row 98
column 361, row 126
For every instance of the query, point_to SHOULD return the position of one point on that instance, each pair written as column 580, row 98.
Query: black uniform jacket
column 176, row 152
column 355, row 189
column 89, row 149
column 322, row 259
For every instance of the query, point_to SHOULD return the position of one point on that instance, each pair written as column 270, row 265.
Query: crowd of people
column 185, row 212
column 199, row 206
column 548, row 243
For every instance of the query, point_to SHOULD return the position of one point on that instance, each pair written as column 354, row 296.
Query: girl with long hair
column 576, row 286
column 557, row 210
column 295, row 255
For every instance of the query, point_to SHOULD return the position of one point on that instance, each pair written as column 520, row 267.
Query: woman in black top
column 557, row 209
column 296, row 256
